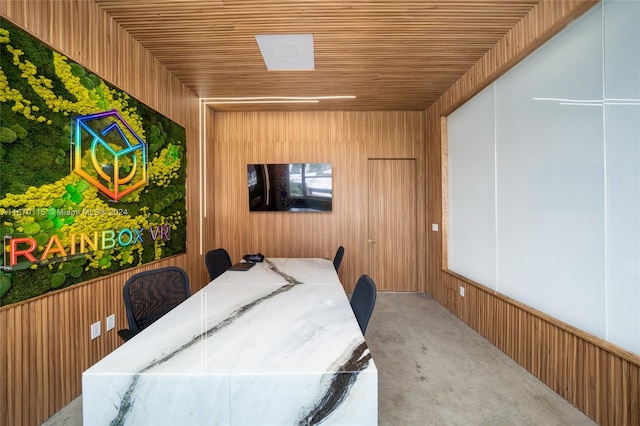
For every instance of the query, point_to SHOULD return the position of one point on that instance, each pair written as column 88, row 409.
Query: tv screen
column 290, row 187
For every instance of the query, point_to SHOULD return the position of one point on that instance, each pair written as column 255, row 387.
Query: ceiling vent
column 290, row 52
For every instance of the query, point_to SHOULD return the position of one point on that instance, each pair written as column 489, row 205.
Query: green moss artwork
column 92, row 181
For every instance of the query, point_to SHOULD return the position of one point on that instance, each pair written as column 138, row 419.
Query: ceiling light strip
column 258, row 98
column 273, row 101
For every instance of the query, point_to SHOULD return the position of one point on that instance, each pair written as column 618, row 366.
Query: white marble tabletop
column 275, row 345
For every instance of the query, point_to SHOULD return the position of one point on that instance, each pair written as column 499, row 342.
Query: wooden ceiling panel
column 390, row 54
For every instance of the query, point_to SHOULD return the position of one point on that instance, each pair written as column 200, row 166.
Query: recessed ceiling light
column 287, row 52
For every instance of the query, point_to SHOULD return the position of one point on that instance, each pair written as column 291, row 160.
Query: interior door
column 392, row 224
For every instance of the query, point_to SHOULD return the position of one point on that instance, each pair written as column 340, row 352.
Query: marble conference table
column 275, row 345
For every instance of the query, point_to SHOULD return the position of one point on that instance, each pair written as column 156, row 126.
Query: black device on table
column 247, row 262
column 259, row 257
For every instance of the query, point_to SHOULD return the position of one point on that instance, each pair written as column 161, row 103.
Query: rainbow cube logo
column 109, row 154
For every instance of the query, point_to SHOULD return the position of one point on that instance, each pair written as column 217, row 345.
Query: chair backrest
column 337, row 260
column 217, row 261
column 148, row 295
column 363, row 300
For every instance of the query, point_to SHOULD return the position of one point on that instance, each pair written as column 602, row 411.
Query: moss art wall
column 92, row 181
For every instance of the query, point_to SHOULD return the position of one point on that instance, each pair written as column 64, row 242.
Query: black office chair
column 363, row 300
column 217, row 261
column 149, row 295
column 337, row 260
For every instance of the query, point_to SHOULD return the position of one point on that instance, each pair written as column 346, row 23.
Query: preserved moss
column 77, row 70
column 57, row 280
column 5, row 283
column 76, row 272
column 66, row 268
column 39, row 156
column 7, row 135
column 42, row 238
column 21, row 132
column 31, row 228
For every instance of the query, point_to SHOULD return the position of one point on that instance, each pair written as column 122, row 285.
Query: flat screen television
column 290, row 187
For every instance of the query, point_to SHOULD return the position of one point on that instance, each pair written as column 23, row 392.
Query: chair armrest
column 126, row 334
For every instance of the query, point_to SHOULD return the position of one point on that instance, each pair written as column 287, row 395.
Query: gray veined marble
column 275, row 345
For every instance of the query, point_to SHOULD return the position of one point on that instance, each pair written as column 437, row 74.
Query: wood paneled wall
column 345, row 139
column 45, row 342
column 599, row 378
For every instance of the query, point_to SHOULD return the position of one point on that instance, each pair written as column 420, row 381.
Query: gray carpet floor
column 434, row 370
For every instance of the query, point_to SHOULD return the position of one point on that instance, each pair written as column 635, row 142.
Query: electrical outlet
column 461, row 291
column 111, row 321
column 434, row 227
column 95, row 330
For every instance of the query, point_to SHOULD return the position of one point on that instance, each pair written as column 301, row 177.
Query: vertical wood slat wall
column 345, row 139
column 45, row 342
column 599, row 378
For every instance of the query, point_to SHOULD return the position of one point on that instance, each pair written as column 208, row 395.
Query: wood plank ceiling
column 391, row 55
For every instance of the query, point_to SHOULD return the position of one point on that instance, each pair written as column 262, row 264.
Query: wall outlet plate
column 462, row 291
column 95, row 330
column 111, row 321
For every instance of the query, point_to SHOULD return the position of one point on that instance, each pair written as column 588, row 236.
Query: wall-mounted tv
column 290, row 187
